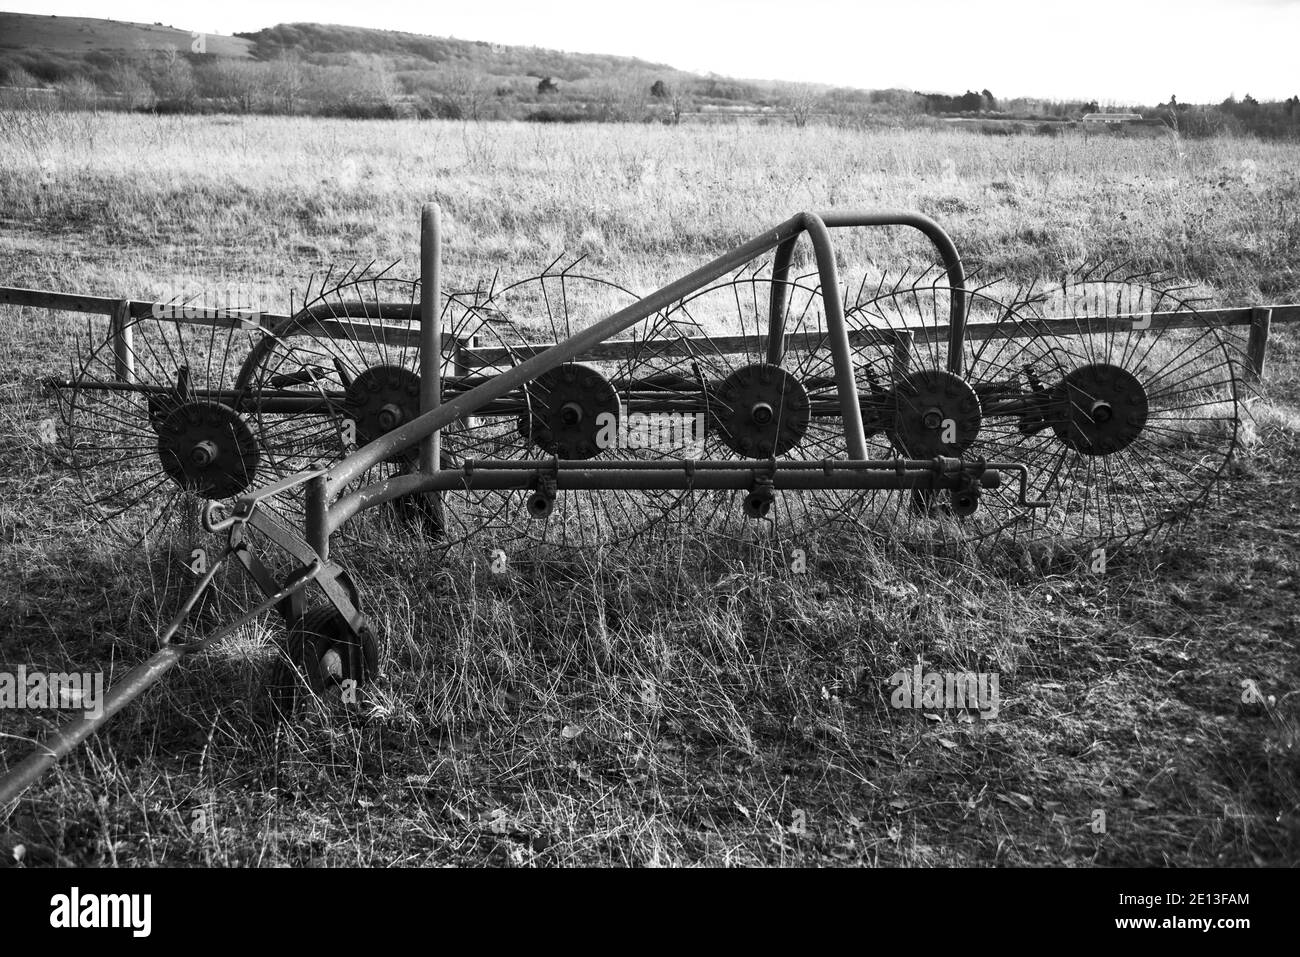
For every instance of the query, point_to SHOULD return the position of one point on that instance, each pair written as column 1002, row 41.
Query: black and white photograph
column 555, row 434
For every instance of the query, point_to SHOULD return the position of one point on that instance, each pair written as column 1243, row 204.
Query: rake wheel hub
column 205, row 453
column 761, row 409
column 381, row 399
column 934, row 413
column 1103, row 408
column 565, row 409
column 207, row 448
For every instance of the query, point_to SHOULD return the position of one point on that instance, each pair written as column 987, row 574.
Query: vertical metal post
column 780, row 297
column 121, row 334
column 430, row 329
column 317, row 508
column 837, row 330
column 1257, row 344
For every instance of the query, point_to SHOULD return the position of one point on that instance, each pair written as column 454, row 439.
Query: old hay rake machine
column 565, row 411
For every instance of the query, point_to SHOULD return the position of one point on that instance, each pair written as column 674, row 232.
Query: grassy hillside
column 319, row 42
column 512, row 724
column 87, row 35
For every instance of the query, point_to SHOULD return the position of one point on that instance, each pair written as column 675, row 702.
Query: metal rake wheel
column 711, row 355
column 1136, row 405
column 151, row 451
column 577, row 411
column 351, row 356
column 1125, row 424
column 346, row 368
column 922, row 407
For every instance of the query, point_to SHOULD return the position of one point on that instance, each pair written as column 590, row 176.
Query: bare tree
column 679, row 103
column 288, row 78
column 128, row 83
column 241, row 81
column 469, row 92
column 801, row 100
column 172, row 76
column 620, row 98
column 79, row 93
column 20, row 79
column 634, row 101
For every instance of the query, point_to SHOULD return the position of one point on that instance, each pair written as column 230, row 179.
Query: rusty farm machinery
column 565, row 411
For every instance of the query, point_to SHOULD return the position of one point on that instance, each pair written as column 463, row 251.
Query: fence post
column 119, row 327
column 1257, row 344
column 902, row 353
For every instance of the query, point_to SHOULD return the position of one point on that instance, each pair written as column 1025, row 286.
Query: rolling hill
column 338, row 70
column 84, row 35
column 60, row 40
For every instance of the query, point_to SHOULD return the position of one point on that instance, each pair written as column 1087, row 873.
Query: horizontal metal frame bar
column 693, row 402
column 772, row 466
column 206, row 315
column 652, row 480
column 136, row 308
column 681, row 475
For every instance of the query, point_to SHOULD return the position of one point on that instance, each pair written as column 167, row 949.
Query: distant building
column 1111, row 117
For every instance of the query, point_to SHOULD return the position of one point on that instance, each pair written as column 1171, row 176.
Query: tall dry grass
column 272, row 198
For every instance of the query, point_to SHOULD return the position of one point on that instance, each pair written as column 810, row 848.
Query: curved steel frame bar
column 942, row 243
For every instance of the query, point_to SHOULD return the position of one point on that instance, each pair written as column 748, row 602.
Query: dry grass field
column 692, row 702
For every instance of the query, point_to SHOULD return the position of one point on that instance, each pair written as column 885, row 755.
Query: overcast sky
column 1116, row 51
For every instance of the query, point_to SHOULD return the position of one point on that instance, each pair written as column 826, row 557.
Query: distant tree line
column 968, row 102
column 1276, row 119
column 313, row 69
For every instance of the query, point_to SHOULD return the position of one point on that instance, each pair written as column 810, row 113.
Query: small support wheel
column 321, row 653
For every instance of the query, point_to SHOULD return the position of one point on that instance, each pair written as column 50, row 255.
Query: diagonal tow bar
column 140, row 678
